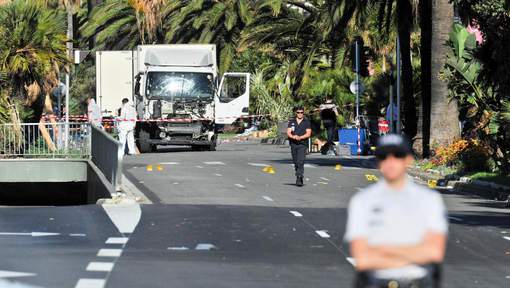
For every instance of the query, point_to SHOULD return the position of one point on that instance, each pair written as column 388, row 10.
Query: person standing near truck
column 126, row 126
column 299, row 130
column 396, row 229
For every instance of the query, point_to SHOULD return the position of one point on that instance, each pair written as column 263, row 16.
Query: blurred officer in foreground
column 396, row 229
column 298, row 131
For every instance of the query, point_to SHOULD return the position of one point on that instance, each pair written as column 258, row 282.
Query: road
column 218, row 220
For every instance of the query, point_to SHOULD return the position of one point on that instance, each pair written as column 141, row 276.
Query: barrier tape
column 84, row 118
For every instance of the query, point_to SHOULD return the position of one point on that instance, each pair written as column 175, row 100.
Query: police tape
column 84, row 118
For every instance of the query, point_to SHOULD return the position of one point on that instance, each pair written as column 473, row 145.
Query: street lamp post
column 69, row 44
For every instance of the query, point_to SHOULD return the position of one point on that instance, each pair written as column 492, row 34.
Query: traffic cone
column 432, row 184
column 149, row 168
column 159, row 168
column 338, row 167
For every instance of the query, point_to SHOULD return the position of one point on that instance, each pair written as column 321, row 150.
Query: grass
column 226, row 135
column 491, row 177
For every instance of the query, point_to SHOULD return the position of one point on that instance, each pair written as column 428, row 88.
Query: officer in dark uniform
column 298, row 131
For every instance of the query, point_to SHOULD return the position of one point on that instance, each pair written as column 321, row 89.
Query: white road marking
column 268, row 198
column 117, row 240
column 33, row 234
column 295, row 213
column 507, row 238
column 455, row 218
column 141, row 182
column 324, row 178
column 218, row 174
column 100, row 266
column 258, row 164
column 323, row 233
column 14, row 274
column 324, row 183
column 169, row 163
column 109, row 252
column 240, row 185
column 205, row 247
column 124, row 217
column 199, row 167
column 214, row 163
column 77, row 235
column 306, row 165
column 176, row 183
column 507, row 277
column 90, row 283
column 177, row 248
column 352, row 261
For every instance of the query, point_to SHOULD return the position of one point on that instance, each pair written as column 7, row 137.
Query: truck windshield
column 183, row 86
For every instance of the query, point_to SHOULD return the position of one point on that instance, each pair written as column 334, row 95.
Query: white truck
column 177, row 92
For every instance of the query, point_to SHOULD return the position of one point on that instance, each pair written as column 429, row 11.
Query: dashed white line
column 258, row 164
column 77, row 235
column 169, row 163
column 200, row 167
column 214, row 163
column 323, row 183
column 268, row 198
column 100, row 266
column 296, row 213
column 117, row 240
column 218, row 174
column 205, row 247
column 507, row 238
column 177, row 248
column 323, row 233
column 351, row 260
column 90, row 283
column 240, row 185
column 324, row 178
column 109, row 252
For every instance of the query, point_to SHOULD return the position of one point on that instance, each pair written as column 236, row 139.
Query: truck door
column 233, row 98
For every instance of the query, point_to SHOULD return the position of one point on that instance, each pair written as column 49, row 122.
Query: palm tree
column 32, row 51
column 210, row 21
column 304, row 32
column 403, row 13
column 114, row 25
column 444, row 119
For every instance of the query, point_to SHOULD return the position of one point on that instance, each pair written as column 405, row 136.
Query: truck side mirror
column 137, row 86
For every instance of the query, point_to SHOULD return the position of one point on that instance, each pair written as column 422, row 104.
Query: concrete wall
column 52, row 182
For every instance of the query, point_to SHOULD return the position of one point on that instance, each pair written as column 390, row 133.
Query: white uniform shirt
column 383, row 216
column 127, row 117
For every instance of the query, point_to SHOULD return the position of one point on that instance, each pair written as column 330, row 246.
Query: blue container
column 349, row 136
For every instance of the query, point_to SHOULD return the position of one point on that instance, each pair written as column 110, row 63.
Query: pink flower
column 474, row 29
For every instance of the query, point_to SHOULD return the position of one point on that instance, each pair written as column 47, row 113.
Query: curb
column 482, row 189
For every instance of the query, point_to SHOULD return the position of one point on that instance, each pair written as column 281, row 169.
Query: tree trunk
column 426, row 53
column 404, row 12
column 444, row 119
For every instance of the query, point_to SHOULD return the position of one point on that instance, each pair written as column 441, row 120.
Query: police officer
column 396, row 228
column 298, row 132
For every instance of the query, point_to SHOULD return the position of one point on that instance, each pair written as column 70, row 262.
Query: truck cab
column 179, row 97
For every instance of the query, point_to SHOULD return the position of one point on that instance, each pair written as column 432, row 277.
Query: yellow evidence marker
column 432, row 184
column 338, row 167
column 268, row 169
column 159, row 167
column 371, row 178
column 149, row 168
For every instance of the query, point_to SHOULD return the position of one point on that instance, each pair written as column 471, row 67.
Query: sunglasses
column 398, row 155
column 300, row 112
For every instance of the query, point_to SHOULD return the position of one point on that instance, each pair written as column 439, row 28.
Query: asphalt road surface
column 218, row 220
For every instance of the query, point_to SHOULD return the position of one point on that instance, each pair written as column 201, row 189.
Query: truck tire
column 143, row 142
column 212, row 145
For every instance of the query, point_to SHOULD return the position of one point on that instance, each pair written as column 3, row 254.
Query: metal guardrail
column 44, row 140
column 107, row 155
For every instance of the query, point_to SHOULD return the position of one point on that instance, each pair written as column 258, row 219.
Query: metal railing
column 44, row 140
column 107, row 155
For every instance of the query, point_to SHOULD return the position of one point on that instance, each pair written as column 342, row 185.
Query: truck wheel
column 143, row 142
